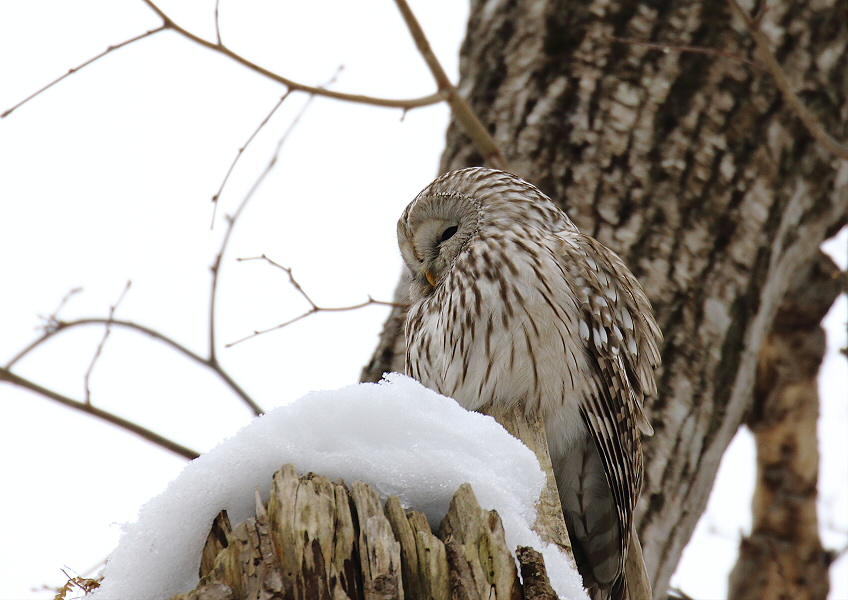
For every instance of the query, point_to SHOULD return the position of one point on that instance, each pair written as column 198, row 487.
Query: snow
column 398, row 436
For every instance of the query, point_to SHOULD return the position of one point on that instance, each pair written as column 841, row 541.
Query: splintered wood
column 317, row 540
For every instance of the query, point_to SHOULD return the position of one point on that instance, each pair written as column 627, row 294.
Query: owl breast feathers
column 511, row 303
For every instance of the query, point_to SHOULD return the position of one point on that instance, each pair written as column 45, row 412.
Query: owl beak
column 430, row 277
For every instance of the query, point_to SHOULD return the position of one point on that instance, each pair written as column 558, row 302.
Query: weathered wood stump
column 317, row 540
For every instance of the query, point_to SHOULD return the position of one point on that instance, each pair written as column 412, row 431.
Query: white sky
column 108, row 177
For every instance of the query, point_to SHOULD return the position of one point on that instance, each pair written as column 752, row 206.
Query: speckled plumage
column 510, row 302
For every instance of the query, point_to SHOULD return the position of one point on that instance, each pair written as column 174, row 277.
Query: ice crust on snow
column 396, row 435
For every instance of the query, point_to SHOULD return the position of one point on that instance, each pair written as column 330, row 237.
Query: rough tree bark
column 692, row 168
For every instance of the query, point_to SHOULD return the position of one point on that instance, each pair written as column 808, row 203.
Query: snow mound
column 397, row 435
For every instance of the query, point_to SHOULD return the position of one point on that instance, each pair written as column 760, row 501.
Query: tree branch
column 208, row 363
column 55, row 325
column 73, row 70
column 144, row 433
column 405, row 104
column 691, row 49
column 53, row 319
column 447, row 91
column 783, row 556
column 313, row 307
column 461, row 109
column 219, row 47
column 241, row 151
column 248, row 142
column 102, row 343
column 217, row 25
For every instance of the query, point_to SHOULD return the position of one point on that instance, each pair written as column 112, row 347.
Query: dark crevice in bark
column 566, row 22
column 669, row 350
column 742, row 312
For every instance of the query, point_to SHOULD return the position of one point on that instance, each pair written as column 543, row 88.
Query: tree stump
column 316, row 540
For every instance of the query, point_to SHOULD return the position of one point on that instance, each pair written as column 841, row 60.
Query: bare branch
column 144, row 433
column 461, row 110
column 54, row 325
column 258, row 332
column 405, row 104
column 208, row 363
column 241, row 150
column 313, row 307
column 809, row 120
column 217, row 27
column 51, row 321
column 312, row 311
column 288, row 272
column 691, row 49
column 106, row 332
column 239, row 155
column 73, row 70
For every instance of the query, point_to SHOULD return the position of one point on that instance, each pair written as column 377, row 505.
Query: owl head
column 450, row 213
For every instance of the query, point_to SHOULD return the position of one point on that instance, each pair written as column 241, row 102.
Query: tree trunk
column 692, row 168
column 783, row 557
column 318, row 540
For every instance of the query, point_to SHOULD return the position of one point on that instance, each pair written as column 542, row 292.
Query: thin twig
column 691, row 49
column 51, row 321
column 288, row 271
column 239, row 155
column 296, row 285
column 313, row 307
column 83, row 584
column 106, row 331
column 460, row 108
column 70, row 72
column 405, row 104
column 312, row 311
column 809, row 120
column 9, row 377
column 253, row 135
column 217, row 27
column 214, row 367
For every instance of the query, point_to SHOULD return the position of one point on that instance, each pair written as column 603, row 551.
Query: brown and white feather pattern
column 510, row 302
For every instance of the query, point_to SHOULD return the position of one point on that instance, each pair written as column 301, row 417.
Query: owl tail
column 633, row 584
column 637, row 584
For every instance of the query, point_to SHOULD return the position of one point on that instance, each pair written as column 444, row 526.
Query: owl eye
column 448, row 234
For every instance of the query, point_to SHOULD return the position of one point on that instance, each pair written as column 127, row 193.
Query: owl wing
column 622, row 345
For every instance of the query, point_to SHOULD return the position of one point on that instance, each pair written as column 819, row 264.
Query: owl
column 511, row 303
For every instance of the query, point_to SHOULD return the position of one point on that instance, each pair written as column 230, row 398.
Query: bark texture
column 783, row 557
column 319, row 540
column 688, row 165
